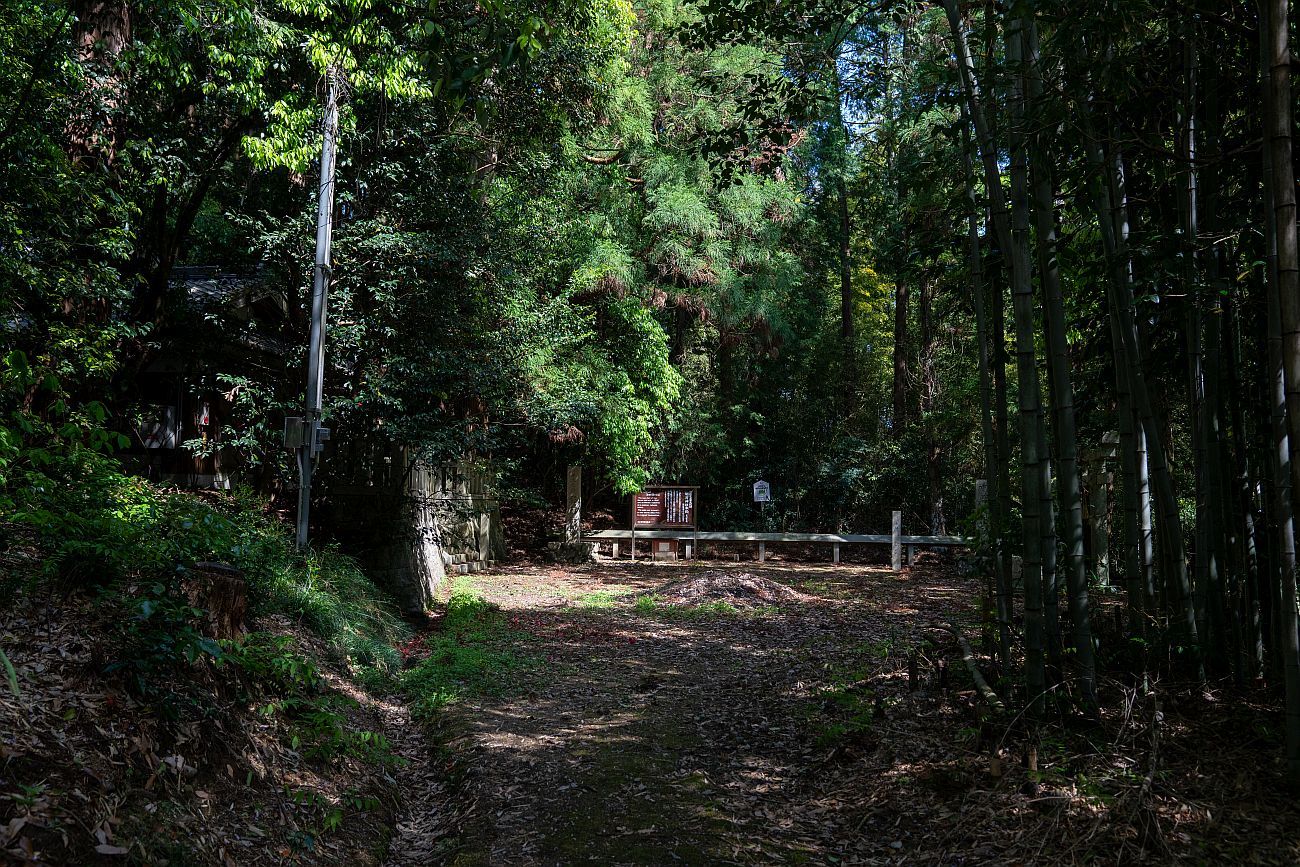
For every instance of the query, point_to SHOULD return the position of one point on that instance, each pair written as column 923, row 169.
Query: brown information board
column 666, row 508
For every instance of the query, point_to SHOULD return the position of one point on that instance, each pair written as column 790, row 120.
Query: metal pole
column 320, row 287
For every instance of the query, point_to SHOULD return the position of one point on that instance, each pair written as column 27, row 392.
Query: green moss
column 667, row 820
column 598, row 599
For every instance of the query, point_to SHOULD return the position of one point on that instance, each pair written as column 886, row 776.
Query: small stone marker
column 573, row 505
column 664, row 549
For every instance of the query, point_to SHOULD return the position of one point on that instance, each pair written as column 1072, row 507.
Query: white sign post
column 762, row 492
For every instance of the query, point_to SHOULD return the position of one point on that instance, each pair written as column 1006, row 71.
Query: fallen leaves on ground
column 738, row 589
column 831, row 730
column 91, row 773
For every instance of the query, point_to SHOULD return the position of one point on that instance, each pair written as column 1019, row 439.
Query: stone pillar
column 982, row 505
column 897, row 542
column 573, row 505
column 1099, row 479
column 414, row 556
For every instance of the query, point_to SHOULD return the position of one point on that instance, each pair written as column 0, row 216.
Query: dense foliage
column 587, row 244
column 868, row 253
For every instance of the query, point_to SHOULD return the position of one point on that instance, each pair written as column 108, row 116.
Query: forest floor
column 833, row 722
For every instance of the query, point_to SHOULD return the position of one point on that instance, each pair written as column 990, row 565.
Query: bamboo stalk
column 968, row 657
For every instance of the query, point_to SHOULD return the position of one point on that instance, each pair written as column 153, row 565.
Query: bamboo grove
column 1132, row 200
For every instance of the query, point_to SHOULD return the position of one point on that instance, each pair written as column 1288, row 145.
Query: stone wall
column 412, row 522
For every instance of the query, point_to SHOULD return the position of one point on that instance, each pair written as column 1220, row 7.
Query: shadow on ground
column 828, row 731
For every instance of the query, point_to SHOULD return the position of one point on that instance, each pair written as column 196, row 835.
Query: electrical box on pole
column 295, row 432
column 306, row 434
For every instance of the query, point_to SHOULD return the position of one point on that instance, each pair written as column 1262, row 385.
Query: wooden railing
column 896, row 540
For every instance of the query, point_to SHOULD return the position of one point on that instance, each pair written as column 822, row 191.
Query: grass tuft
column 472, row 654
column 596, row 600
column 339, row 603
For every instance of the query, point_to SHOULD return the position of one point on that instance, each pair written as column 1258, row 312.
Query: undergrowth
column 597, row 600
column 846, row 713
column 140, row 558
column 78, row 523
column 92, row 527
column 474, row 652
column 288, row 686
column 846, row 708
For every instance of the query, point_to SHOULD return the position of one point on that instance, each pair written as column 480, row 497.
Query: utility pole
column 306, row 433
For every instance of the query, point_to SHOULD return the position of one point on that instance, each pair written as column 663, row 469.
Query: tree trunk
column 1189, row 216
column 1286, row 290
column 1217, row 630
column 1037, row 466
column 1251, row 605
column 929, row 397
column 1068, row 481
column 1121, row 291
column 902, row 301
column 1212, row 622
column 1106, row 190
column 1143, row 433
column 1001, row 409
column 1023, row 308
column 1244, row 608
column 1022, row 297
column 846, row 270
column 101, row 32
column 845, row 240
column 1282, row 537
column 993, row 470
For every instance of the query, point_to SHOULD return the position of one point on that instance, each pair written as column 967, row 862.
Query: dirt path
column 836, row 727
column 662, row 734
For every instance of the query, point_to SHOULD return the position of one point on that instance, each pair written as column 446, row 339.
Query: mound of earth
column 741, row 589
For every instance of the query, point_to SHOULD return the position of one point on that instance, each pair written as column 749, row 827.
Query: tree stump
column 221, row 591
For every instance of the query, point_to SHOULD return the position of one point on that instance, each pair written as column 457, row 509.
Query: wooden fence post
column 897, row 533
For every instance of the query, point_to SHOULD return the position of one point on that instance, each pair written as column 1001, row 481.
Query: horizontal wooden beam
column 822, row 538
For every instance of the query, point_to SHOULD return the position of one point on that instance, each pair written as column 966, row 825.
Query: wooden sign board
column 665, row 508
